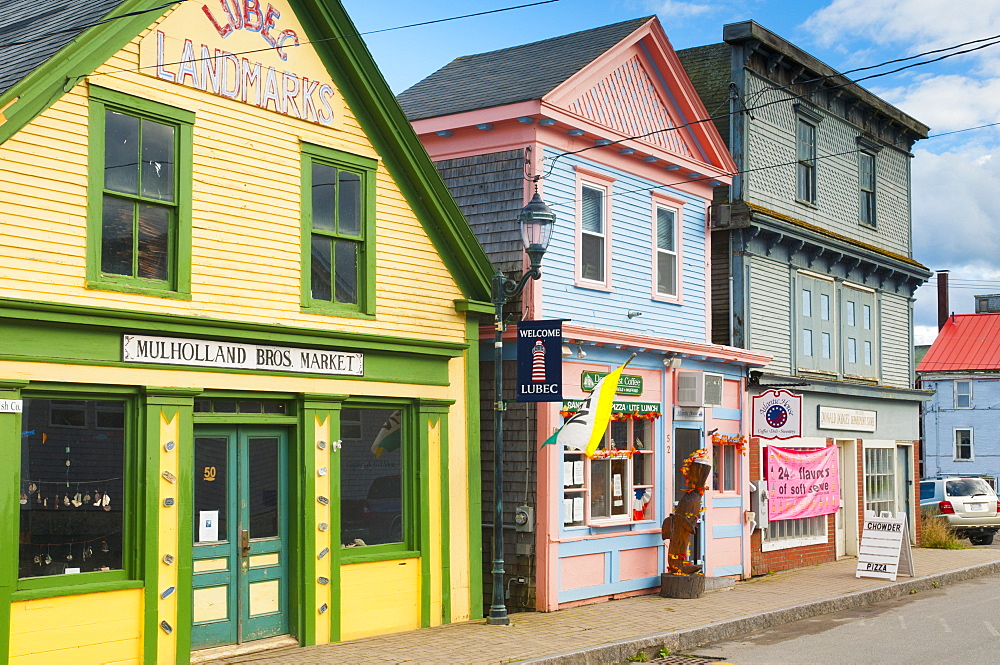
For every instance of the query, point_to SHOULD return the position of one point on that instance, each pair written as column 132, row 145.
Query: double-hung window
column 866, row 185
column 667, row 269
column 140, row 195
column 338, row 232
column 963, row 394
column 963, row 445
column 593, row 234
column 805, row 145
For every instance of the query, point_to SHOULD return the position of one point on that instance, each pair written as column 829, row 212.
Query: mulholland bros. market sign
column 243, row 50
column 209, row 353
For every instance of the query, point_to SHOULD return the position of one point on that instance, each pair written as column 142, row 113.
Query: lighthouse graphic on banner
column 539, row 361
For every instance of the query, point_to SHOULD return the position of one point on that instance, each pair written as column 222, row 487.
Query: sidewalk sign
column 885, row 547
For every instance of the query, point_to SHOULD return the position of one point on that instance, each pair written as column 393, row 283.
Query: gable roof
column 511, row 75
column 35, row 84
column 31, row 31
column 966, row 342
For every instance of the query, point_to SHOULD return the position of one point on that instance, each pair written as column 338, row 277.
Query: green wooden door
column 240, row 575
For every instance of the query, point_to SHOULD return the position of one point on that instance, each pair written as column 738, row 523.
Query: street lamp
column 536, row 222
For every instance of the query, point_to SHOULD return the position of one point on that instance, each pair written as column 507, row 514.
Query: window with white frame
column 963, row 445
column 593, row 233
column 781, row 534
column 866, row 187
column 963, row 394
column 880, row 480
column 666, row 251
column 805, row 142
column 617, row 484
column 725, row 475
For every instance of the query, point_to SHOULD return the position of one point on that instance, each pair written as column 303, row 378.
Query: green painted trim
column 473, row 434
column 474, row 306
column 10, row 519
column 371, row 553
column 244, row 419
column 446, row 516
column 150, row 523
column 365, row 168
column 185, row 532
column 178, row 284
column 55, row 583
column 179, row 324
column 93, row 587
column 423, row 513
column 48, row 82
column 336, row 596
column 376, row 109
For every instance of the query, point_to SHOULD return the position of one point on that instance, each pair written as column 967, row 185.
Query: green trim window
column 373, row 466
column 140, row 195
column 866, row 187
column 72, row 488
column 338, row 231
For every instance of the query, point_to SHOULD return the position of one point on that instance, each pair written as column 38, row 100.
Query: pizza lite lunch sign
column 777, row 414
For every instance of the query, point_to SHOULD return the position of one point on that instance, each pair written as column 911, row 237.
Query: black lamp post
column 536, row 222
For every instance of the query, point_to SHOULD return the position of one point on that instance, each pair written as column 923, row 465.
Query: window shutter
column 690, row 389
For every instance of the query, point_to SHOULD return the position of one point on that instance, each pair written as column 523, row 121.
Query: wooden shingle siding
column 771, row 178
column 769, row 327
column 490, row 191
column 895, row 343
column 246, row 250
column 632, row 269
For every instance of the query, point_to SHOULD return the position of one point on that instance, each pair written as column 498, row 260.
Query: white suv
column 969, row 505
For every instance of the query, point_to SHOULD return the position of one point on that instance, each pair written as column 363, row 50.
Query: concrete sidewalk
column 612, row 631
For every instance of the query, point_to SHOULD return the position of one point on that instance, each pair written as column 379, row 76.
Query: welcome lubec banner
column 539, row 361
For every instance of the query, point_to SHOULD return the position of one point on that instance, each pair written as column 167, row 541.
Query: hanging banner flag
column 539, row 361
column 585, row 429
column 802, row 483
column 389, row 437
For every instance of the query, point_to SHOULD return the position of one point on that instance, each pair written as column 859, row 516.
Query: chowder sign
column 777, row 414
column 243, row 50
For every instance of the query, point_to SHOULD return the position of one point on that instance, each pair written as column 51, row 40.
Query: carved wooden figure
column 679, row 526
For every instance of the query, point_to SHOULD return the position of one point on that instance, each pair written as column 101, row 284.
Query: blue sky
column 956, row 179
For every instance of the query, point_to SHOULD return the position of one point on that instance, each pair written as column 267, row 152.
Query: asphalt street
column 953, row 624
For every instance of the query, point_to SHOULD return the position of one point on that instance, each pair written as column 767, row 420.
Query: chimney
column 942, row 290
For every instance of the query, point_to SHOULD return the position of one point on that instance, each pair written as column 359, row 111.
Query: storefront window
column 617, row 484
column 72, row 487
column 371, row 477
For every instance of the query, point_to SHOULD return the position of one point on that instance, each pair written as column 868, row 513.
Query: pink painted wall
column 637, row 563
column 581, row 571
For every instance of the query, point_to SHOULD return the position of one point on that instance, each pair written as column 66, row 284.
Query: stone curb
column 682, row 640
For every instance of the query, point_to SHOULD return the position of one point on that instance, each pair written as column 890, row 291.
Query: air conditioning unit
column 713, row 389
column 699, row 389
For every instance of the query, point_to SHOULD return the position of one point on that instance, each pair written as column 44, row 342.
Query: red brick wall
column 793, row 557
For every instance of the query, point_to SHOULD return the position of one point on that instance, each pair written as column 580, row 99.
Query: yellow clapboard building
column 238, row 317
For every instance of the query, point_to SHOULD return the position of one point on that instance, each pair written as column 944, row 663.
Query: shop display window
column 372, row 468
column 617, row 484
column 72, row 488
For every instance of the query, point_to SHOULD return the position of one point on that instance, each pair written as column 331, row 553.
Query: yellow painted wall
column 89, row 628
column 246, row 234
column 166, row 576
column 322, row 539
column 434, row 496
column 458, row 499
column 378, row 598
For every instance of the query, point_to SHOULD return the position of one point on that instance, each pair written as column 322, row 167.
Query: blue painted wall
column 940, row 418
column 631, row 263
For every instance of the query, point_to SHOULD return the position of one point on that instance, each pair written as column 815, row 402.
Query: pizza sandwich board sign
column 885, row 547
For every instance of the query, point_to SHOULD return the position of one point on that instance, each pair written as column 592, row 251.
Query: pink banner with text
column 802, row 483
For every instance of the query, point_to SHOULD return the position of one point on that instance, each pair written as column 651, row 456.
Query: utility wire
column 329, row 39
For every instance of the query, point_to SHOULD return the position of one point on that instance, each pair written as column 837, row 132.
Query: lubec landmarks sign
column 234, row 355
column 245, row 50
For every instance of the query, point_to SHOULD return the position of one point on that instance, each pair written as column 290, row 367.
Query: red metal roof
column 966, row 342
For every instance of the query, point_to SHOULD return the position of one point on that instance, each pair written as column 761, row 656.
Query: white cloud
column 678, row 9
column 924, row 335
column 919, row 24
column 948, row 102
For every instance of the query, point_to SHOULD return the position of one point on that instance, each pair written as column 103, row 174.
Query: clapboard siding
column 245, row 220
column 770, row 326
column 895, row 343
column 632, row 269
